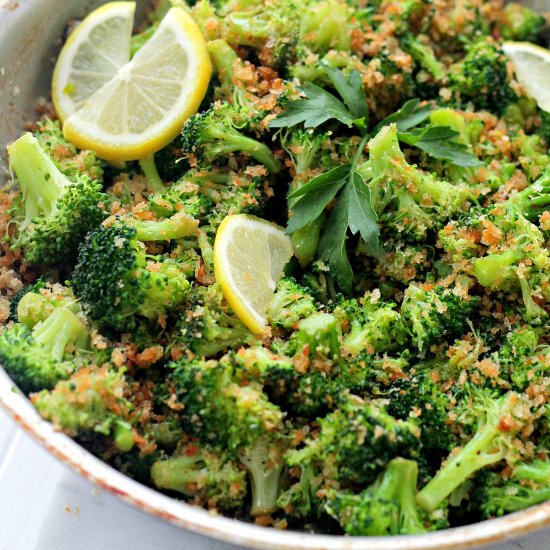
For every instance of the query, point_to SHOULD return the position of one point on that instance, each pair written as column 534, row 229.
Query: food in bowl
column 310, row 285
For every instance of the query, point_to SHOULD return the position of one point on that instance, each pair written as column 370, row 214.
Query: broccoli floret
column 521, row 360
column 16, row 298
column 356, row 441
column 91, row 402
column 404, row 263
column 433, row 313
column 214, row 134
column 69, row 160
column 57, row 213
column 520, row 23
column 420, row 397
column 298, row 385
column 318, row 339
column 423, row 202
column 38, row 357
column 118, row 281
column 201, row 474
column 374, row 325
column 499, row 419
column 424, row 55
column 300, row 499
column 482, row 78
column 387, row 507
column 217, row 407
column 290, row 304
column 528, row 485
column 209, row 326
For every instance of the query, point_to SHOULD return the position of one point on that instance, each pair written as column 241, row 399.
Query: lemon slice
column 147, row 102
column 532, row 65
column 92, row 55
column 249, row 257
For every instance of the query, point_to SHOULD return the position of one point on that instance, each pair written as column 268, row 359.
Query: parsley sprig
column 352, row 211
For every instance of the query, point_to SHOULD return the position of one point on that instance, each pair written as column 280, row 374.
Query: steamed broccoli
column 219, row 408
column 119, row 282
column 290, row 303
column 89, row 405
column 499, row 419
column 215, row 133
column 482, row 78
column 209, row 326
column 520, row 23
column 356, row 441
column 57, row 212
column 422, row 202
column 201, row 474
column 387, row 507
column 528, row 485
column 40, row 356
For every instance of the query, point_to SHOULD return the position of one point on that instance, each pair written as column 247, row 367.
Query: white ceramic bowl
column 29, row 40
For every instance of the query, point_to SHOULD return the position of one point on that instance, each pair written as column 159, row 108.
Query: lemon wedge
column 249, row 257
column 147, row 102
column 92, row 55
column 532, row 65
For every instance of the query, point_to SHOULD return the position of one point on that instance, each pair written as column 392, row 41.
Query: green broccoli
column 387, row 507
column 201, row 474
column 528, row 485
column 374, row 325
column 431, row 314
column 499, row 419
column 422, row 201
column 40, row 356
column 57, row 212
column 520, row 23
column 214, row 134
column 118, row 281
column 290, row 304
column 209, row 326
column 482, row 78
column 89, row 405
column 356, row 441
column 219, row 408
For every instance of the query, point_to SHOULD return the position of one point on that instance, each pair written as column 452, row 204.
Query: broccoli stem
column 487, row 447
column 425, row 56
column 176, row 474
column 495, row 270
column 60, row 330
column 265, row 472
column 154, row 181
column 41, row 181
column 178, row 226
column 233, row 141
column 319, row 335
column 223, row 56
column 407, row 472
column 305, row 241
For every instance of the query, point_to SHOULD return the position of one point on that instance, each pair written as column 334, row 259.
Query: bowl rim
column 234, row 531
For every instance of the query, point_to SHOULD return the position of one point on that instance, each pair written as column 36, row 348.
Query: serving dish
column 29, row 35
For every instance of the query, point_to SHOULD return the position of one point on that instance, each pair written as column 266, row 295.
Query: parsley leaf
column 351, row 91
column 318, row 107
column 439, row 142
column 332, row 246
column 315, row 195
column 407, row 117
column 352, row 211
